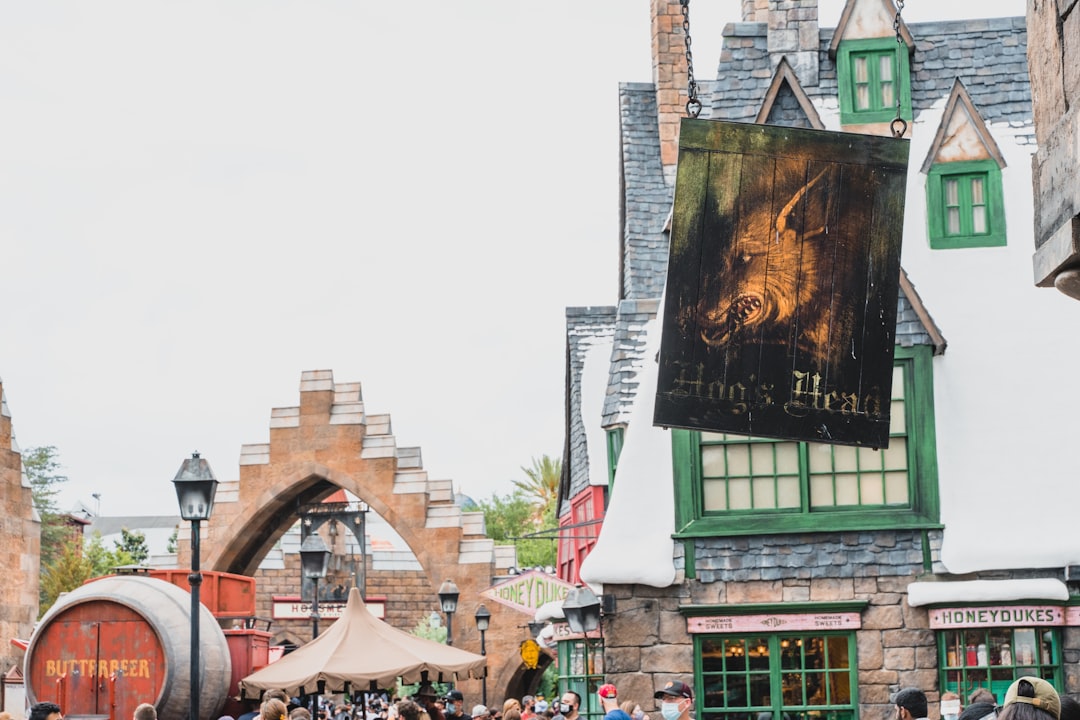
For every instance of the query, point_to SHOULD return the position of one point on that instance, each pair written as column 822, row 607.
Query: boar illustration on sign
column 780, row 308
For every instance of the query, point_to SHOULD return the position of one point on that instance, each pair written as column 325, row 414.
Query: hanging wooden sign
column 780, row 309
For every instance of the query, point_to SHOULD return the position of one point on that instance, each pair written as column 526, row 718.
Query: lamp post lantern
column 314, row 560
column 483, row 619
column 582, row 609
column 448, row 597
column 196, row 487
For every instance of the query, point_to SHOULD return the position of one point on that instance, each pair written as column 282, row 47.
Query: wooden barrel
column 114, row 643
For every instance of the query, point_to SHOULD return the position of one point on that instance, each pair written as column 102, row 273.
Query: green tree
column 68, row 570
column 542, row 485
column 73, row 565
column 134, row 544
column 511, row 517
column 42, row 468
column 102, row 561
column 171, row 547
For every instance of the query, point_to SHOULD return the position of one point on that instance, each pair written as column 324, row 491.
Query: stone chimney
column 793, row 33
column 755, row 10
column 669, row 76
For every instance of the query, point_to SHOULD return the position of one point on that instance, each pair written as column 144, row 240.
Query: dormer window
column 965, row 205
column 871, row 74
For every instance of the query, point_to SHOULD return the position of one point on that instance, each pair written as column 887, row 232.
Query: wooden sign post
column 780, row 308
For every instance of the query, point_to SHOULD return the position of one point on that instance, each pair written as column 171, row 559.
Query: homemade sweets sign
column 780, row 309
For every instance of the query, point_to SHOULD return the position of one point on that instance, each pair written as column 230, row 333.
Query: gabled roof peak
column 866, row 19
column 962, row 134
column 785, row 74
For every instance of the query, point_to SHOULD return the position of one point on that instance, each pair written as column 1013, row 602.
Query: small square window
column 965, row 205
column 872, row 75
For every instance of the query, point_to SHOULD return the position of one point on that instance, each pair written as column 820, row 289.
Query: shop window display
column 798, row 677
column 994, row 657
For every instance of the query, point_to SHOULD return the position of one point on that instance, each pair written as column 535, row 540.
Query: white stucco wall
column 1009, row 466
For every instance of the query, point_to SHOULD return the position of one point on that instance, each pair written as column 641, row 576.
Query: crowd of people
column 427, row 704
column 1028, row 698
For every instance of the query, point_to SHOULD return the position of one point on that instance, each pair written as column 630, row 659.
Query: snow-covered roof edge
column 967, row 591
column 629, row 551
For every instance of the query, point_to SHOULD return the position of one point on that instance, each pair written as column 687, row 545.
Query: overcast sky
column 201, row 200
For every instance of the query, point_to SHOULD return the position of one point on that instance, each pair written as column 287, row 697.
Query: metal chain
column 693, row 105
column 899, row 125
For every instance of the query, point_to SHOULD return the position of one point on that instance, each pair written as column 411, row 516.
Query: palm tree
column 542, row 487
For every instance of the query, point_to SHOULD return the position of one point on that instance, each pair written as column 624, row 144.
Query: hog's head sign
column 780, row 309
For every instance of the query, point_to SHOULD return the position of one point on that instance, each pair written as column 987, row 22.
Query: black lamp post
column 582, row 609
column 483, row 619
column 314, row 560
column 195, row 489
column 448, row 597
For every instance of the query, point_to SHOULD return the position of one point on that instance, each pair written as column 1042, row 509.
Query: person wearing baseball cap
column 610, row 702
column 455, row 706
column 676, row 699
column 1031, row 698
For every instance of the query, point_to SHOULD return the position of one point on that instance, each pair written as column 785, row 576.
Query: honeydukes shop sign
column 528, row 591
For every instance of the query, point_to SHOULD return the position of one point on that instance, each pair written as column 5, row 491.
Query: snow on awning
column 549, row 611
column 964, row 591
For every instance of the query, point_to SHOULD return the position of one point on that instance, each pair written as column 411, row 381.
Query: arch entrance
column 329, row 443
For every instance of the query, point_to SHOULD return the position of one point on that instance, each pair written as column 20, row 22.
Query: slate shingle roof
column 585, row 328
column 989, row 55
column 646, row 196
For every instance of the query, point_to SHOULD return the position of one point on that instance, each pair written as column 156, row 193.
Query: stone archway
column 330, row 442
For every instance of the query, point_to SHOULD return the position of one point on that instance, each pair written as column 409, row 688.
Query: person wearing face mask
column 676, row 700
column 569, row 704
column 455, row 706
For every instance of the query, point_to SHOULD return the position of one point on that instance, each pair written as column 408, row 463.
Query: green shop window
column 871, row 74
column 581, row 670
column 994, row 657
column 794, row 676
column 965, row 206
column 739, row 485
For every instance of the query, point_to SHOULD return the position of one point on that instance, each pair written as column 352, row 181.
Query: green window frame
column 993, row 658
column 869, row 75
column 581, row 669
column 965, row 205
column 797, row 674
column 614, row 449
column 784, row 486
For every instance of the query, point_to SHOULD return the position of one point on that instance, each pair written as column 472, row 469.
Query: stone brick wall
column 327, row 443
column 20, row 548
column 1053, row 53
column 410, row 596
column 793, row 33
column 647, row 642
column 669, row 75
